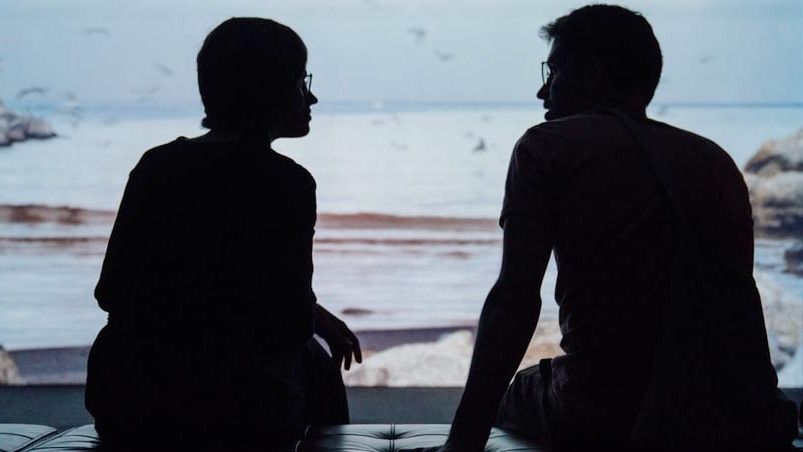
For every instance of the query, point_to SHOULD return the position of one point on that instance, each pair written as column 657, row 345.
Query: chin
column 298, row 132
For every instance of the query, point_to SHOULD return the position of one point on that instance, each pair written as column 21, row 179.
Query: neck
column 634, row 106
column 636, row 111
column 222, row 136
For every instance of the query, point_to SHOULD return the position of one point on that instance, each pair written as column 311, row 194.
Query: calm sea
column 408, row 198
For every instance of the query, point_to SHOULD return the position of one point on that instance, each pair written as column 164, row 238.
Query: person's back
column 204, row 279
column 618, row 241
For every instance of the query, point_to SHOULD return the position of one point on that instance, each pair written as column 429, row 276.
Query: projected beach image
column 420, row 106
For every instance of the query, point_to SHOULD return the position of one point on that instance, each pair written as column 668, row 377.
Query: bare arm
column 508, row 320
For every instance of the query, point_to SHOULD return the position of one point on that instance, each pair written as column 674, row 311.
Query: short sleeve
column 530, row 186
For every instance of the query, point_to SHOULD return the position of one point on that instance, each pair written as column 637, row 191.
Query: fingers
column 352, row 343
column 347, row 362
column 343, row 344
column 355, row 347
column 345, row 353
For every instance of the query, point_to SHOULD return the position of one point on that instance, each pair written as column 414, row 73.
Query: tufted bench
column 351, row 438
column 15, row 437
column 392, row 437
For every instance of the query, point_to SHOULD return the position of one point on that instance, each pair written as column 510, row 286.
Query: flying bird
column 100, row 31
column 418, row 33
column 144, row 94
column 32, row 90
column 372, row 4
column 444, row 56
column 164, row 70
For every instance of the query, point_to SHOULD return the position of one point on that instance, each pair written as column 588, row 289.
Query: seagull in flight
column 96, row 31
column 444, row 56
column 419, row 34
column 32, row 90
column 164, row 70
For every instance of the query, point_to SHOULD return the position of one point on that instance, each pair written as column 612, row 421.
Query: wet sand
column 67, row 365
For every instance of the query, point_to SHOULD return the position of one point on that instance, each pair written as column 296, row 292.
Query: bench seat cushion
column 15, row 437
column 342, row 438
column 78, row 439
column 392, row 437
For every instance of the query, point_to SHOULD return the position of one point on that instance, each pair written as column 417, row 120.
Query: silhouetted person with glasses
column 207, row 275
column 662, row 330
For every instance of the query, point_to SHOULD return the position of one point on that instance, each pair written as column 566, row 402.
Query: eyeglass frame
column 308, row 81
column 546, row 71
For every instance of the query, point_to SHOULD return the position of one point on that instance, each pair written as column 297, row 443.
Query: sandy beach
column 67, row 365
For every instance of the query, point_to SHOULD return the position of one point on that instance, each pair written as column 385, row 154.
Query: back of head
column 245, row 67
column 621, row 39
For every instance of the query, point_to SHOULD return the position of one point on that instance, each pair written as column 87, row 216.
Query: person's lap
column 524, row 409
column 307, row 390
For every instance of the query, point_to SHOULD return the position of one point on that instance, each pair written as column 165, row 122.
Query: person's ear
column 597, row 80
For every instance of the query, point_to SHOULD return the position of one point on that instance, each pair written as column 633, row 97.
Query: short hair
column 621, row 39
column 245, row 66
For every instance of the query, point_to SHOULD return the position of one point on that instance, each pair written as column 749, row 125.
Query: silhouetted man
column 650, row 225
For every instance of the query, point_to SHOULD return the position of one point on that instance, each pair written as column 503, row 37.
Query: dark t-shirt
column 207, row 281
column 615, row 241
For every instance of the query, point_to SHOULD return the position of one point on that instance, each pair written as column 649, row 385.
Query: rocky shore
column 774, row 177
column 794, row 259
column 15, row 127
column 9, row 373
column 443, row 363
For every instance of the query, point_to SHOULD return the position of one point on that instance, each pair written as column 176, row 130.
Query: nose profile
column 543, row 92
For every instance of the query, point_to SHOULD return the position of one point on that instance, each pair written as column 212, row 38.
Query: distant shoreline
column 194, row 109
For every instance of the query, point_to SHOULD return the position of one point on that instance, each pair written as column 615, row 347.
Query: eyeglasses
column 308, row 82
column 546, row 71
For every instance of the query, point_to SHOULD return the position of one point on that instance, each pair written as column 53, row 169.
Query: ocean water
column 408, row 200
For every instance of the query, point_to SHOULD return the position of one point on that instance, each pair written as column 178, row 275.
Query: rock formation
column 442, row 363
column 15, row 127
column 783, row 315
column 9, row 374
column 794, row 259
column 774, row 177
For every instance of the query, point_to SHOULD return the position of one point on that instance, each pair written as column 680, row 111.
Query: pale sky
column 95, row 52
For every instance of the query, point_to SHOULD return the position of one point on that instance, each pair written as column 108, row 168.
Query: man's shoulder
column 595, row 125
column 691, row 138
column 570, row 133
column 572, row 130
